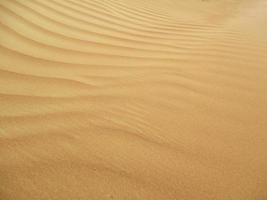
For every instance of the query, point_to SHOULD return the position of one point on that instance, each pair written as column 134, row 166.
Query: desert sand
column 133, row 99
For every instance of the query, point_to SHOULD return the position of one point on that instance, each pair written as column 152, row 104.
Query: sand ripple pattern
column 133, row 99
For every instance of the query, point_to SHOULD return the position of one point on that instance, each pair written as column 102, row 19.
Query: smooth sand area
column 133, row 99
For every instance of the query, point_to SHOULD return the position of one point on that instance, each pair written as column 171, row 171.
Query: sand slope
column 133, row 99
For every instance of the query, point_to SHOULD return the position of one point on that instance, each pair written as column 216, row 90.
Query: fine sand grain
column 133, row 99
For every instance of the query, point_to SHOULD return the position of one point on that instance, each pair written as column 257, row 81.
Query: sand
column 133, row 100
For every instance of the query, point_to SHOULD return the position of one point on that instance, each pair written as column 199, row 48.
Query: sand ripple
column 141, row 99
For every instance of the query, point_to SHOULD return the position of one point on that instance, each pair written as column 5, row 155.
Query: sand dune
column 141, row 99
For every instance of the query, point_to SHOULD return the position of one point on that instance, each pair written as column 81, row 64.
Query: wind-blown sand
column 133, row 99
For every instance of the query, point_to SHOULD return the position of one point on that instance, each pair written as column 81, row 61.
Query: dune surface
column 133, row 99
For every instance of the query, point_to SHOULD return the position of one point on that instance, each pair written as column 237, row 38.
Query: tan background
column 133, row 99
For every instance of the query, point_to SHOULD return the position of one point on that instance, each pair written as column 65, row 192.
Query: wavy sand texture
column 133, row 99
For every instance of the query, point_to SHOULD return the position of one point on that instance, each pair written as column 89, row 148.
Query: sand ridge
column 137, row 99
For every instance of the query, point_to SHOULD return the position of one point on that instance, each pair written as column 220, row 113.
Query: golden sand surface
column 133, row 99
